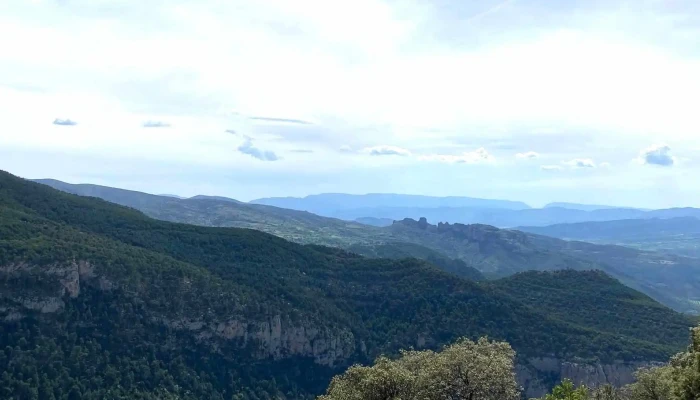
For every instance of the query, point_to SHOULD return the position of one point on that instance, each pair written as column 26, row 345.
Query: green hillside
column 672, row 280
column 595, row 300
column 101, row 301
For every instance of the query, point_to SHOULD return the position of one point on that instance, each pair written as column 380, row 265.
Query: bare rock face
column 279, row 338
column 60, row 278
column 617, row 374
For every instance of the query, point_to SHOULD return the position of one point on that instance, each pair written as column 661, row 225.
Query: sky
column 532, row 100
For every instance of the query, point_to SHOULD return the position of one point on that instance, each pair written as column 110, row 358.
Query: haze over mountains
column 204, row 312
column 377, row 209
column 671, row 279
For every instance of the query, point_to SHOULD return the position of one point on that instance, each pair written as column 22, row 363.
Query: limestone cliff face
column 533, row 375
column 58, row 280
column 278, row 338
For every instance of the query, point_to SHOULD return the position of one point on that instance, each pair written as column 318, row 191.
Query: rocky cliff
column 275, row 337
column 537, row 375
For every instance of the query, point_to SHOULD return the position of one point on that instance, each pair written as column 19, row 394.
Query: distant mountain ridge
column 504, row 218
column 328, row 203
column 167, row 310
column 679, row 235
column 672, row 280
column 583, row 207
column 376, row 209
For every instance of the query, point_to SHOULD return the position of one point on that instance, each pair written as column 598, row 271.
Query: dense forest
column 670, row 279
column 484, row 370
column 100, row 301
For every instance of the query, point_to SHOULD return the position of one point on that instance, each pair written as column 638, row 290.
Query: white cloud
column 551, row 168
column 386, row 151
column 530, row 155
column 263, row 155
column 658, row 154
column 580, row 163
column 64, row 122
column 573, row 82
column 155, row 124
column 480, row 155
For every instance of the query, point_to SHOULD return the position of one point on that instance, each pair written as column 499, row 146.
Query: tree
column 567, row 391
column 686, row 370
column 652, row 384
column 480, row 370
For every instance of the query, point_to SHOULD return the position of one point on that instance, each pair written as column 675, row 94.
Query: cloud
column 282, row 120
column 604, row 165
column 155, row 124
column 387, row 151
column 231, row 131
column 64, row 122
column 580, row 163
column 479, row 155
column 262, row 155
column 301, row 151
column 530, row 155
column 550, row 168
column 345, row 149
column 658, row 154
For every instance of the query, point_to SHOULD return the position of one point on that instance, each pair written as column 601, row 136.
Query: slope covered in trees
column 672, row 280
column 484, row 370
column 96, row 298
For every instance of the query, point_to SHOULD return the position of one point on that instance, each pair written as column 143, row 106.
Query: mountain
column 99, row 301
column 610, row 306
column 172, row 195
column 506, row 218
column 299, row 226
column 381, row 222
column 679, row 235
column 582, row 207
column 220, row 198
column 672, row 280
column 328, row 204
column 400, row 250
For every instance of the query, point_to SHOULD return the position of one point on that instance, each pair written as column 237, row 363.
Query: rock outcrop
column 279, row 337
column 537, row 375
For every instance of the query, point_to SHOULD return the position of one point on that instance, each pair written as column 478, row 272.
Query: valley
column 674, row 280
column 254, row 315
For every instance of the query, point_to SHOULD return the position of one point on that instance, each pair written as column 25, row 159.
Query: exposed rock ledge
column 279, row 338
column 67, row 277
column 529, row 376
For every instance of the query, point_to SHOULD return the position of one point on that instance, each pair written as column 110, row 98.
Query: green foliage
column 495, row 252
column 463, row 370
column 567, row 391
column 594, row 300
column 677, row 380
column 398, row 250
column 135, row 283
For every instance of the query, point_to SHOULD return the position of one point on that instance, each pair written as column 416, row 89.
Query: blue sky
column 532, row 100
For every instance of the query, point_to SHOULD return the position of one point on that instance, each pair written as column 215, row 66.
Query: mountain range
column 673, row 280
column 376, row 209
column 680, row 235
column 98, row 300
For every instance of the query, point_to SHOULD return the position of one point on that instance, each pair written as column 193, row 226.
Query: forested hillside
column 672, row 280
column 98, row 300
